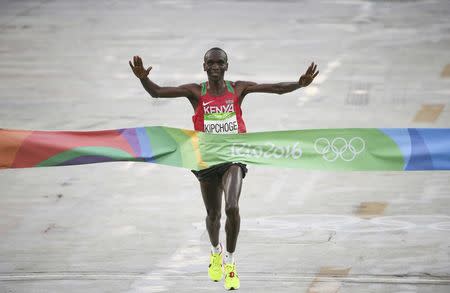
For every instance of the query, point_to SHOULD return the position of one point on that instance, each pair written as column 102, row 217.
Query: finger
column 315, row 74
column 310, row 68
column 148, row 69
column 131, row 65
column 135, row 60
column 139, row 60
column 314, row 68
column 307, row 71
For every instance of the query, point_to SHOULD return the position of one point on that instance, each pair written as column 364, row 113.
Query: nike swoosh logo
column 205, row 104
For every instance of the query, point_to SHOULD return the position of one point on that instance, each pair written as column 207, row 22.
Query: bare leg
column 232, row 184
column 212, row 198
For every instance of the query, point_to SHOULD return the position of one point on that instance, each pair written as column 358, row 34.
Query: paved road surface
column 134, row 227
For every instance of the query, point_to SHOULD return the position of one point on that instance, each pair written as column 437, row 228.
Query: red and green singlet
column 219, row 114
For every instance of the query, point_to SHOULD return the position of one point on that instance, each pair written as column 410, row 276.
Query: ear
column 226, row 67
column 204, row 66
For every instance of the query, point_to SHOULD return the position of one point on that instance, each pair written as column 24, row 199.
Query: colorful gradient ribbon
column 353, row 149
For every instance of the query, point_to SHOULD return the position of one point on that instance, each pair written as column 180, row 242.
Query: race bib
column 221, row 123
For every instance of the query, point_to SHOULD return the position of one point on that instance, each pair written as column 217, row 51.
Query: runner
column 217, row 109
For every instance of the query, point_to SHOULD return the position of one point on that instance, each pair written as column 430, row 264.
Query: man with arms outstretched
column 217, row 109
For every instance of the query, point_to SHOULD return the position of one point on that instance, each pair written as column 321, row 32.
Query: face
column 215, row 64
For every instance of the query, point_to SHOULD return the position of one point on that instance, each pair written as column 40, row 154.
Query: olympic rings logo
column 339, row 148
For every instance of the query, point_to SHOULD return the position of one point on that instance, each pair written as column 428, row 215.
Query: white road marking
column 359, row 92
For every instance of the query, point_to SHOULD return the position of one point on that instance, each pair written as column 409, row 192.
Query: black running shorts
column 218, row 170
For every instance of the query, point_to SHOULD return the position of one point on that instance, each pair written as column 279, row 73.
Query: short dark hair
column 216, row 49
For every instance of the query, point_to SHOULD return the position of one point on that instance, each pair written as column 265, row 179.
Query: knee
column 232, row 211
column 213, row 215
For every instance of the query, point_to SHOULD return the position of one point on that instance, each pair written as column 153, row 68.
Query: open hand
column 309, row 75
column 138, row 68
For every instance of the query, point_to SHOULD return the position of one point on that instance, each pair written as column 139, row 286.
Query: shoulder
column 243, row 83
column 243, row 87
column 191, row 86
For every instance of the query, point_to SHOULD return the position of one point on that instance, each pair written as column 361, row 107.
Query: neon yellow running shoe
column 215, row 271
column 231, row 277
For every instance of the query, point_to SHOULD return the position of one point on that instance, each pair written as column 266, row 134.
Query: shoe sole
column 232, row 288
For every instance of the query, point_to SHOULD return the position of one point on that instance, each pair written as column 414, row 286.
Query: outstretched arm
column 156, row 91
column 247, row 87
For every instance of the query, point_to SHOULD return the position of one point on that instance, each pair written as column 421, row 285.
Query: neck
column 216, row 87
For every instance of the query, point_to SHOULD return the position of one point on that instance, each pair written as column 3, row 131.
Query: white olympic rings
column 339, row 148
